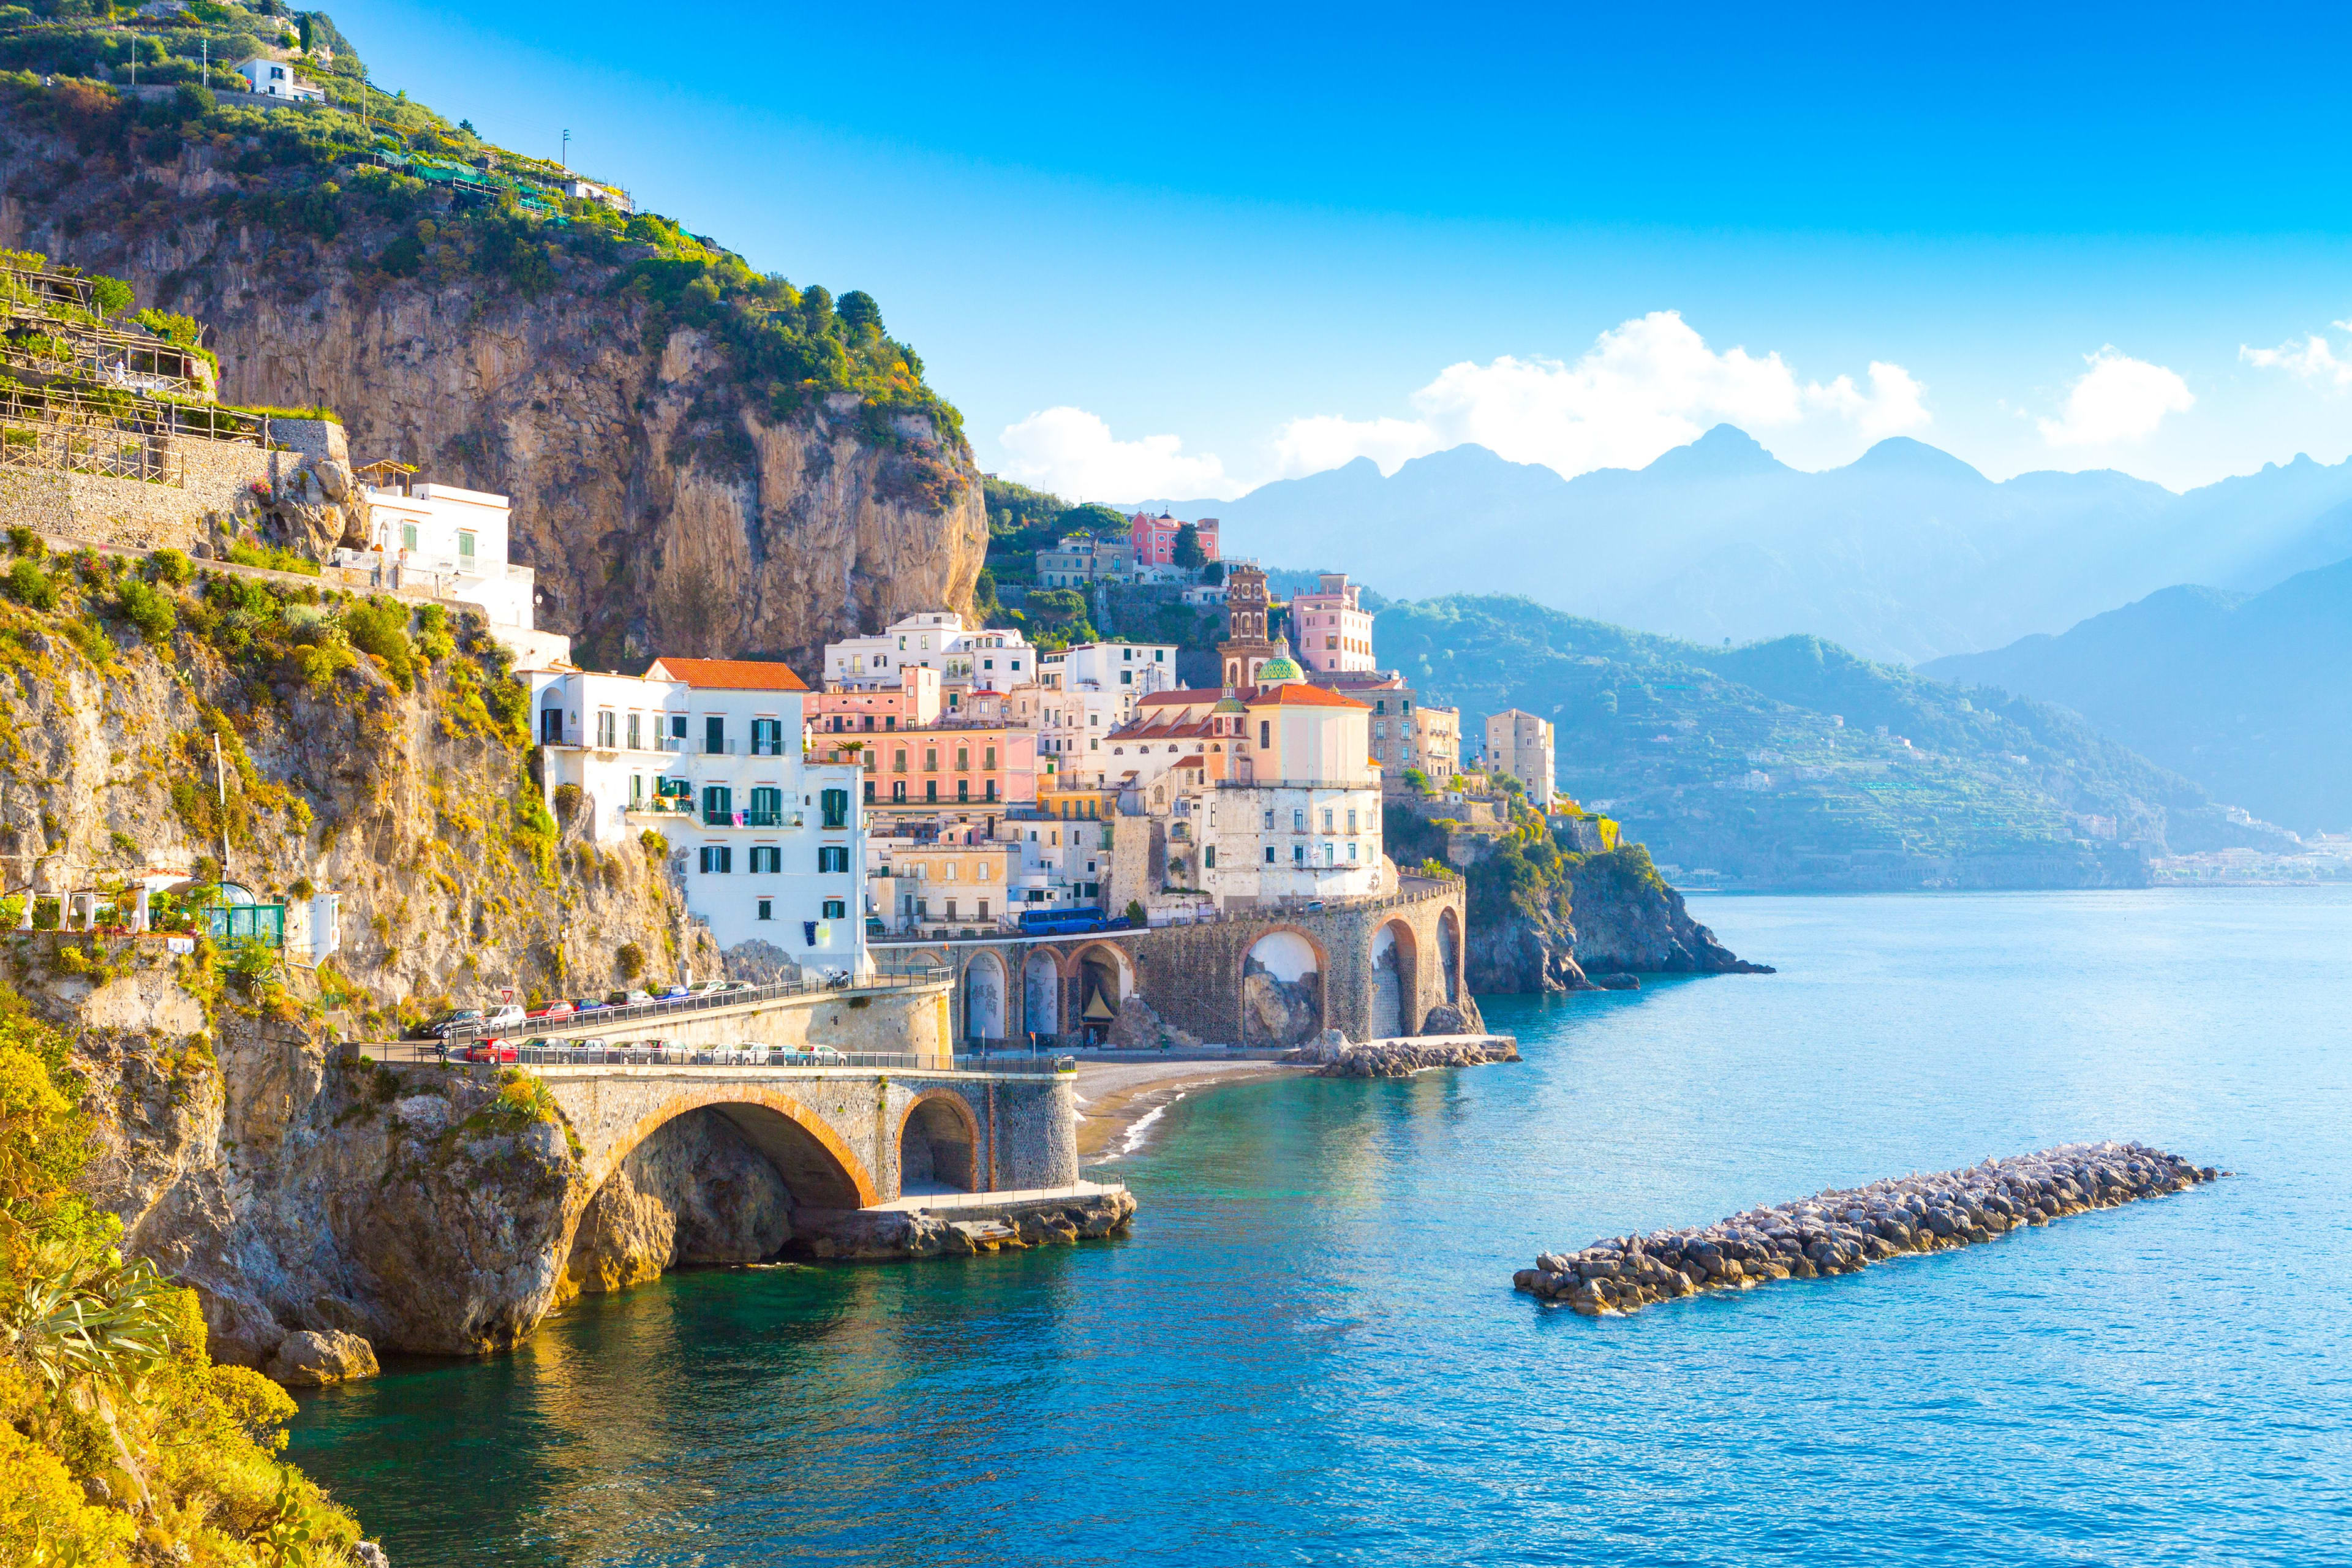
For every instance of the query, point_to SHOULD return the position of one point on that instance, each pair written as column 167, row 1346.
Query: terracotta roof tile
column 1299, row 695
column 731, row 673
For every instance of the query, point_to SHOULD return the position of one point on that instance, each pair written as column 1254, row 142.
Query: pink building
column 839, row 710
column 1332, row 633
column 1154, row 537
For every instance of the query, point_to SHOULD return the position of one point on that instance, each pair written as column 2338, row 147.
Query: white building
column 611, row 196
column 453, row 543
column 1334, row 631
column 707, row 752
column 1520, row 744
column 968, row 657
column 275, row 78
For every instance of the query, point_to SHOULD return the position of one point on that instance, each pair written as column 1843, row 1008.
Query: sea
column 1309, row 1351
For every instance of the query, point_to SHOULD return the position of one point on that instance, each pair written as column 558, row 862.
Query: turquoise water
column 1309, row 1350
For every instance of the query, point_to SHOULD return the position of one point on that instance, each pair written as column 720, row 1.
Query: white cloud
column 1073, row 454
column 2312, row 360
column 1646, row 386
column 2118, row 399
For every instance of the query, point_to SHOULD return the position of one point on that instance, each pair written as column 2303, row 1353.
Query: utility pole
column 565, row 161
column 205, row 48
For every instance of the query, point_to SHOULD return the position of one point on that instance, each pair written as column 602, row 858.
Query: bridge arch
column 985, row 986
column 1281, row 983
column 1396, row 981
column 939, row 1144
column 1449, row 953
column 1101, row 977
column 818, row 1167
column 1040, row 992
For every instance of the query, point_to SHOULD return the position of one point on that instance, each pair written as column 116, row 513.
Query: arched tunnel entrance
column 939, row 1146
column 708, row 1183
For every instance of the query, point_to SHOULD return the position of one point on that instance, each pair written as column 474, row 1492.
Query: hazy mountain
column 1905, row 553
column 1792, row 763
column 2251, row 695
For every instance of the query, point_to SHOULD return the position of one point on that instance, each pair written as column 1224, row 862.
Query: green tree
column 861, row 318
column 1188, row 554
column 1092, row 516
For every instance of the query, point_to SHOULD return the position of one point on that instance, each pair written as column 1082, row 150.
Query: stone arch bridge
column 1372, row 968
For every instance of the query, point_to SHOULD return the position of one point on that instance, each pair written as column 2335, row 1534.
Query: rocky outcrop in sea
column 1335, row 1058
column 1845, row 1230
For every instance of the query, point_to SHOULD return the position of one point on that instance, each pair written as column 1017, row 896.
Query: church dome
column 1281, row 669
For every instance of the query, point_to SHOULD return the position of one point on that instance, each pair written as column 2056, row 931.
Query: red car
column 557, row 1009
column 496, row 1052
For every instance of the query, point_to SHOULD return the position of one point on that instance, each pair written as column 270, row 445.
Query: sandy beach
column 1115, row 1098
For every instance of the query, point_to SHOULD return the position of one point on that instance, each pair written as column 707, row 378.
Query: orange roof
column 1296, row 694
column 1161, row 699
column 731, row 673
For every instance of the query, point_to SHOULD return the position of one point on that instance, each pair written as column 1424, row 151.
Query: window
column 1352, row 852
column 767, row 811
column 1269, row 854
column 606, row 734
column 714, row 736
column 1329, row 853
column 1351, row 820
column 899, row 790
column 899, row 761
column 1016, row 664
column 1265, row 733
column 963, row 759
column 408, row 536
column 963, row 790
column 636, row 733
column 833, row 858
column 1299, row 854
column 678, row 731
column 767, row 737
column 988, row 789
column 1127, row 677
column 1327, row 819
column 869, row 791
column 1269, row 821
column 1379, row 704
column 717, row 859
column 1208, row 856
column 550, row 726
column 767, row 908
column 464, row 544
column 931, row 759
column 1159, row 656
column 931, row 790
column 636, row 788
column 988, row 758
column 767, row 860
column 834, row 803
column 718, row 805
column 836, row 908
column 979, row 872
column 1298, row 819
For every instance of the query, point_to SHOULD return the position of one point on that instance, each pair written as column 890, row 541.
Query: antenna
column 565, row 161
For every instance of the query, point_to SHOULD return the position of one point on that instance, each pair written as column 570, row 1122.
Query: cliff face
column 1609, row 914
column 667, row 505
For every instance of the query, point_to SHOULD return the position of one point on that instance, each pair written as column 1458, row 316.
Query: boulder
column 315, row 1358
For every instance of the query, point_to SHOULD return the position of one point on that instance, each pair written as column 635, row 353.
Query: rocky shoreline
column 1845, row 1230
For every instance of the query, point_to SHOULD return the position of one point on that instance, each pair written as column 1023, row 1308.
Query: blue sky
column 1180, row 254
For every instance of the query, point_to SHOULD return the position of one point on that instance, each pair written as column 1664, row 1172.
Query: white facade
column 1136, row 669
column 767, row 846
column 454, row 543
column 1520, row 744
column 1264, row 844
column 275, row 78
column 968, row 657
column 611, row 196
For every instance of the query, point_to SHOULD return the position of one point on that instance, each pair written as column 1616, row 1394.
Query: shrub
column 23, row 541
column 170, row 566
column 150, row 610
column 629, row 959
column 567, row 802
column 381, row 628
column 111, row 293
column 29, row 585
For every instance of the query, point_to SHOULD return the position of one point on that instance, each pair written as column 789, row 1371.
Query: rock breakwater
column 1403, row 1058
column 1845, row 1230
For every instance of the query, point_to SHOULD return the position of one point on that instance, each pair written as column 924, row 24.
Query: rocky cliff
column 677, row 487
column 1628, row 920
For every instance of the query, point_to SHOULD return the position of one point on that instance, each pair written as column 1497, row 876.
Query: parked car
column 494, row 1051
column 440, row 1025
column 671, row 993
column 627, row 999
column 559, row 1008
column 709, row 988
column 505, row 1017
column 809, row 1056
column 744, row 1053
column 588, row 1004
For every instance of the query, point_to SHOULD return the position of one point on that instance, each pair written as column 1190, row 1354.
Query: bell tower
column 1248, row 605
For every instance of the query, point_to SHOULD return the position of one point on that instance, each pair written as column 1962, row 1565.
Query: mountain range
column 1907, row 553
column 2245, row 693
column 1793, row 764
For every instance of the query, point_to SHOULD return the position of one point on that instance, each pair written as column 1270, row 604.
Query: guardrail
column 523, row 1053
column 605, row 1020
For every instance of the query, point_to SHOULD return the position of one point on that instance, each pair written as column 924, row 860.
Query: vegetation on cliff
column 1793, row 763
column 122, row 1441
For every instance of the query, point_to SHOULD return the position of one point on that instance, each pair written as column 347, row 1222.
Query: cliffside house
column 611, row 196
column 841, row 710
column 1335, row 632
column 1080, row 561
column 1086, row 692
column 1153, row 539
column 275, row 78
column 1520, row 744
column 963, row 886
column 912, row 771
column 708, row 752
column 453, row 543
